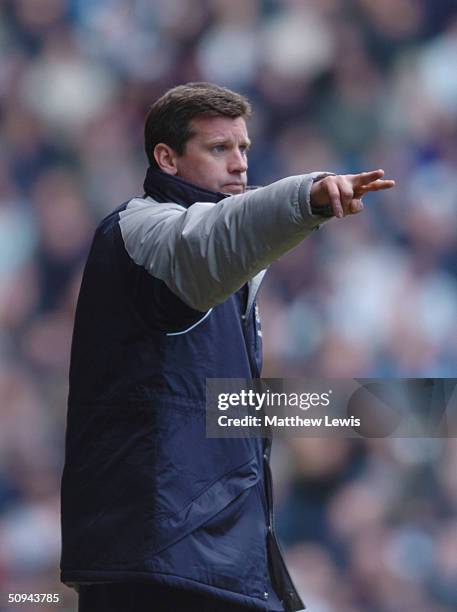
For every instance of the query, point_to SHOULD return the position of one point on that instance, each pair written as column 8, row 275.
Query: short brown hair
column 169, row 119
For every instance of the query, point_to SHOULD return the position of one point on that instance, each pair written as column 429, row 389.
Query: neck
column 165, row 187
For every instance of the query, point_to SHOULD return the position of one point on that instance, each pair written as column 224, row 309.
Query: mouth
column 234, row 187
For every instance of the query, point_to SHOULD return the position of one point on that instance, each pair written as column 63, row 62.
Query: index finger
column 366, row 177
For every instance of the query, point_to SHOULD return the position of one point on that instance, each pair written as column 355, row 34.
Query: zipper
column 253, row 288
column 251, row 350
column 293, row 601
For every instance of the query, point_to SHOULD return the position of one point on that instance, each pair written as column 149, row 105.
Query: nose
column 238, row 162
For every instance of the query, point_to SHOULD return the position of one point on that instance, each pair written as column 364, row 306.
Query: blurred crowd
column 337, row 85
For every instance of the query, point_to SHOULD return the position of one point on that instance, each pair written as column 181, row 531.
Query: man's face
column 215, row 157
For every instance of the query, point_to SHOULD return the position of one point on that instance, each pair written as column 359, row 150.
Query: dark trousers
column 147, row 597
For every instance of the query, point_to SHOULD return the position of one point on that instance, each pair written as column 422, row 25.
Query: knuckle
column 327, row 181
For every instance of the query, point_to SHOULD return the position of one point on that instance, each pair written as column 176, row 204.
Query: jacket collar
column 168, row 188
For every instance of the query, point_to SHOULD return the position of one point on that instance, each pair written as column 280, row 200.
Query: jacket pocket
column 207, row 505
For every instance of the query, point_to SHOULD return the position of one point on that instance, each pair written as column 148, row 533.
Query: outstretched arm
column 208, row 251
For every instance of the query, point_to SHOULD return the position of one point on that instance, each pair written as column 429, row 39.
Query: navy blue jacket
column 145, row 495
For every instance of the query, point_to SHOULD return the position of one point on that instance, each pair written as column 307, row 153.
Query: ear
column 165, row 158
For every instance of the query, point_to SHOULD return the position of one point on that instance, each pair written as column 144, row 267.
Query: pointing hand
column 344, row 192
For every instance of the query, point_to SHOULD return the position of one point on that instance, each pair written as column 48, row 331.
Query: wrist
column 319, row 203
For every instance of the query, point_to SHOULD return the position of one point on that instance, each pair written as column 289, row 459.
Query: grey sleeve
column 208, row 251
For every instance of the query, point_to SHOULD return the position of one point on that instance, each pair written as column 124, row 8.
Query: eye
column 244, row 150
column 220, row 148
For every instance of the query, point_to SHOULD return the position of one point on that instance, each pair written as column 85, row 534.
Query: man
column 155, row 516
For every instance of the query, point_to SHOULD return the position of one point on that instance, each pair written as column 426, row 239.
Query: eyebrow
column 221, row 140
